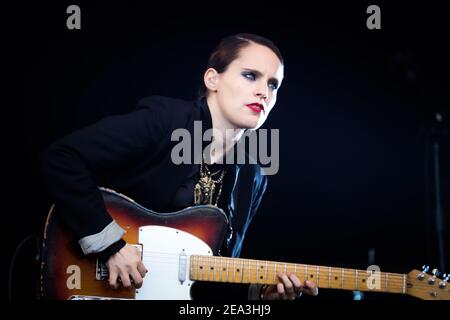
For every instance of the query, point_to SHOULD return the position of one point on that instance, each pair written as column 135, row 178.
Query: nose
column 262, row 91
column 261, row 95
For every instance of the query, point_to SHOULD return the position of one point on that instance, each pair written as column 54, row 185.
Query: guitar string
column 396, row 280
column 175, row 259
column 395, row 285
column 174, row 256
column 393, row 280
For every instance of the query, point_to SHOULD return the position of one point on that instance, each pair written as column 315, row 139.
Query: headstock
column 428, row 286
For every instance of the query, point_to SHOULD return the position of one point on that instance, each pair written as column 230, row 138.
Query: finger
column 287, row 283
column 113, row 279
column 137, row 279
column 295, row 281
column 125, row 278
column 298, row 286
column 311, row 288
column 281, row 291
column 142, row 269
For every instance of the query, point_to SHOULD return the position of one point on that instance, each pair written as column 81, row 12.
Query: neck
column 236, row 270
column 225, row 134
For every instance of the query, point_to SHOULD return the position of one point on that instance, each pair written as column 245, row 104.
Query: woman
column 132, row 154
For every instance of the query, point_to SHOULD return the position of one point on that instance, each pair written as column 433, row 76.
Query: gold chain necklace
column 206, row 186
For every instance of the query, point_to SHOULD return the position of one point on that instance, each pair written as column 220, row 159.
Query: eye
column 273, row 86
column 249, row 75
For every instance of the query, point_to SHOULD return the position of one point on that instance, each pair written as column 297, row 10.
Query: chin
column 249, row 124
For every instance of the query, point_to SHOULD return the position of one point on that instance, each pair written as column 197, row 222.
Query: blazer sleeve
column 72, row 168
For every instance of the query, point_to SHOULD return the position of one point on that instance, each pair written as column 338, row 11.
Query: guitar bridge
column 101, row 270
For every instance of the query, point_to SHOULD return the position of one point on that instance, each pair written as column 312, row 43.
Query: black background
column 355, row 113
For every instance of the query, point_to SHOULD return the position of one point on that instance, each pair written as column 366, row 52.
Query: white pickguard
column 162, row 248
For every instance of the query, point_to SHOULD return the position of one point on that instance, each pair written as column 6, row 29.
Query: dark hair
column 228, row 50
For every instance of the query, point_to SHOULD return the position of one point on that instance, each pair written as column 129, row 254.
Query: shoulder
column 168, row 112
column 167, row 104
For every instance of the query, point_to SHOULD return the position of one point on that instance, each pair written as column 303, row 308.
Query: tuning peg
column 443, row 283
column 432, row 279
column 421, row 275
column 440, row 274
column 435, row 272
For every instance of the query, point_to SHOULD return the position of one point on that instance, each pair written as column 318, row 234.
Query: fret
column 289, row 269
column 285, row 268
column 329, row 277
column 404, row 283
column 194, row 266
column 364, row 280
column 257, row 272
column 209, row 267
column 306, row 272
column 206, row 267
column 265, row 279
column 234, row 270
column 214, row 268
column 323, row 277
column 242, row 271
column 295, row 269
column 317, row 275
column 202, row 268
column 221, row 269
column 335, row 278
column 228, row 271
column 249, row 272
column 275, row 273
column 356, row 279
column 342, row 278
column 199, row 267
column 261, row 276
column 386, row 275
column 218, row 268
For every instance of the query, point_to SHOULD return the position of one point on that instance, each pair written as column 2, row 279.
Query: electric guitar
column 177, row 248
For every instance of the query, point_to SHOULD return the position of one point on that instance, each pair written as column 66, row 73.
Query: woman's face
column 247, row 91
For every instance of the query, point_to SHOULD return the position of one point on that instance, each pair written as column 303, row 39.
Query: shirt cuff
column 100, row 241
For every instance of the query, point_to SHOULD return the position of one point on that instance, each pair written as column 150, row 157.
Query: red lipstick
column 256, row 107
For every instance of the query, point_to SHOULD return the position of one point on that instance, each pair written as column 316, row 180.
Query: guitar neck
column 233, row 270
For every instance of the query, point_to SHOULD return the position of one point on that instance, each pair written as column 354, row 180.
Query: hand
column 126, row 265
column 289, row 288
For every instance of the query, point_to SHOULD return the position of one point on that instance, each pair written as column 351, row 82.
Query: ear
column 211, row 79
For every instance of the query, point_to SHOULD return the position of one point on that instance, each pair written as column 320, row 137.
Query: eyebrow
column 259, row 74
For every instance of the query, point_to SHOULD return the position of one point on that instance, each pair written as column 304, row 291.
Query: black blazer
column 131, row 154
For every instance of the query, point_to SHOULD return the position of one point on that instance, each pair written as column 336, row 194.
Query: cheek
column 232, row 91
column 272, row 101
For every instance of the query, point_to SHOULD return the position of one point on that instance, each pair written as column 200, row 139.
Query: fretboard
column 223, row 269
